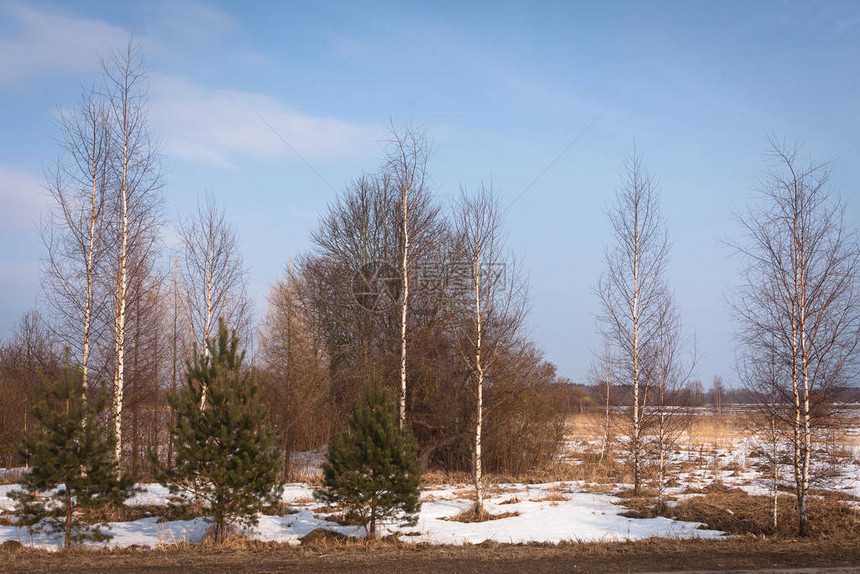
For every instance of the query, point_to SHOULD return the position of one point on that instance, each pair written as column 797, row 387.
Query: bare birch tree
column 407, row 163
column 497, row 302
column 603, row 375
column 134, row 196
column 630, row 290
column 74, row 233
column 799, row 294
column 717, row 391
column 213, row 275
column 670, row 374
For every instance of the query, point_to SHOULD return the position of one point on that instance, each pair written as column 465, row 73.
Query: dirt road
column 660, row 556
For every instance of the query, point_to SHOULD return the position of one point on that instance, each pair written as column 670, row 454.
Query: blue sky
column 502, row 89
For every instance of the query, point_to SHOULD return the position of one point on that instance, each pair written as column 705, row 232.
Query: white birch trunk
column 122, row 288
column 775, row 456
column 608, row 383
column 801, row 423
column 661, row 478
column 89, row 271
column 636, row 415
column 479, row 371
column 208, row 324
column 805, row 447
column 403, row 306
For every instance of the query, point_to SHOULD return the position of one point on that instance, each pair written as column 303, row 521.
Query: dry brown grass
column 736, row 512
column 551, row 497
column 641, row 507
column 714, row 431
column 281, row 508
column 590, row 468
column 741, row 553
column 469, row 515
column 132, row 513
column 433, row 478
column 585, row 426
column 557, row 472
column 490, row 489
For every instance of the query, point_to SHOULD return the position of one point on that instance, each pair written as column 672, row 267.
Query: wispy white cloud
column 346, row 45
column 37, row 42
column 22, row 197
column 188, row 22
column 218, row 127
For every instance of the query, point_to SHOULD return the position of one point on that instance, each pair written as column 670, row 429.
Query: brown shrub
column 11, row 547
column 469, row 515
column 320, row 537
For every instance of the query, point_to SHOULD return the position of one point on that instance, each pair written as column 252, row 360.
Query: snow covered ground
column 737, row 459
column 551, row 512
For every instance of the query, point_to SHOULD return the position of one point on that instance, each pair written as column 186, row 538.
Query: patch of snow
column 578, row 516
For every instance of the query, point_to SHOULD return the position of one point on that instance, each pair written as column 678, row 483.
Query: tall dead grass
column 736, row 512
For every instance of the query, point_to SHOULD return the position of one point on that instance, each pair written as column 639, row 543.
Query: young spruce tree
column 224, row 457
column 372, row 469
column 73, row 476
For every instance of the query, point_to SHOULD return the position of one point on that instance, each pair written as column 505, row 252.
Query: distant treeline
column 585, row 398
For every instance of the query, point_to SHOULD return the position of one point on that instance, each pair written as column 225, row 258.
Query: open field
column 718, row 448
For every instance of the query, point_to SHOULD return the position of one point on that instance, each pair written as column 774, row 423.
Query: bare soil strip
column 748, row 554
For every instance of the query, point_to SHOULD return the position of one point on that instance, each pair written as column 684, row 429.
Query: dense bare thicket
column 354, row 284
column 293, row 374
column 798, row 304
column 337, row 319
column 179, row 338
column 27, row 359
column 147, row 353
column 632, row 291
column 524, row 424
